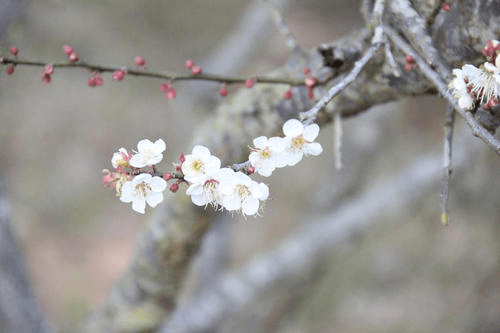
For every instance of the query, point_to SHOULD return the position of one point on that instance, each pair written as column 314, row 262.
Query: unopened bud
column 9, row 70
column 249, row 83
column 196, row 70
column 140, row 61
column 288, row 94
column 174, row 187
column 73, row 57
column 14, row 50
column 167, row 176
column 68, row 50
column 223, row 91
column 189, row 64
column 118, row 75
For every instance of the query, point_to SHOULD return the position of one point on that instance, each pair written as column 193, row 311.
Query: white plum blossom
column 199, row 165
column 460, row 91
column 268, row 155
column 203, row 194
column 240, row 192
column 120, row 158
column 299, row 141
column 148, row 153
column 143, row 189
column 483, row 81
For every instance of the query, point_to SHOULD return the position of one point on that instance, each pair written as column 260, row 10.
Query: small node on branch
column 48, row 69
column 73, row 57
column 14, row 50
column 288, row 94
column 189, row 64
column 249, row 83
column 46, row 78
column 174, row 187
column 68, row 50
column 196, row 70
column 410, row 62
column 118, row 75
column 140, row 61
column 9, row 70
column 223, row 90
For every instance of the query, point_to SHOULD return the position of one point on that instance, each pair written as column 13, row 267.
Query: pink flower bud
column 171, row 93
column 249, row 83
column 167, row 176
column 196, row 70
column 140, row 61
column 446, row 7
column 73, row 57
column 182, row 158
column 223, row 91
column 48, row 69
column 408, row 67
column 164, row 87
column 46, row 78
column 288, row 94
column 98, row 79
column 118, row 75
column 92, row 82
column 14, row 50
column 9, row 70
column 310, row 81
column 409, row 59
column 310, row 94
column 307, row 71
column 174, row 187
column 68, row 50
column 250, row 170
column 189, row 64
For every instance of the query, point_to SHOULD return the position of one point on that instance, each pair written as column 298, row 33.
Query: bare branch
column 435, row 78
column 447, row 169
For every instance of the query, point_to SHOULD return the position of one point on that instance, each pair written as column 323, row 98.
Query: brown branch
column 157, row 75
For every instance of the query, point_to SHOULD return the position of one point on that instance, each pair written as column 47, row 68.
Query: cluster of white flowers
column 278, row 152
column 472, row 84
column 137, row 181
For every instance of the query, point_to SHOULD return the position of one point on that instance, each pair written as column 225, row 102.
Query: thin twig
column 477, row 130
column 337, row 137
column 291, row 41
column 447, row 169
column 311, row 115
column 157, row 75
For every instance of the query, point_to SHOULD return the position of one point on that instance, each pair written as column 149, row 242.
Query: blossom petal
column 294, row 158
column 127, row 192
column 260, row 142
column 293, row 127
column 139, row 205
column 154, row 198
column 158, row 184
column 144, row 145
column 201, row 151
column 160, row 145
column 311, row 132
column 250, row 206
column 313, row 149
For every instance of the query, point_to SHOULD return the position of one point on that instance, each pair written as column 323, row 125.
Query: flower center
column 142, row 189
column 265, row 153
column 243, row 191
column 298, row 143
column 198, row 166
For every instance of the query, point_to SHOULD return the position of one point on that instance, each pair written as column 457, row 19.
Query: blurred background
column 405, row 273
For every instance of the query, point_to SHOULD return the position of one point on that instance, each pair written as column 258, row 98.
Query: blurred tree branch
column 147, row 294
